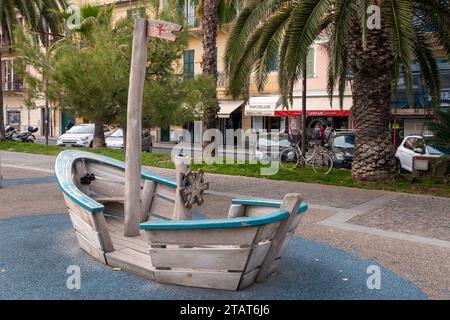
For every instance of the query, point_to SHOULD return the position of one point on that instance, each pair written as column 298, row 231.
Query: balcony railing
column 192, row 21
column 16, row 86
column 222, row 80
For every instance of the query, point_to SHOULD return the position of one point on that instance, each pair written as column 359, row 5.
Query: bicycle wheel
column 289, row 158
column 322, row 163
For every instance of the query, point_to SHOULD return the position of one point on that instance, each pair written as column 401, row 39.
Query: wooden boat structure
column 228, row 254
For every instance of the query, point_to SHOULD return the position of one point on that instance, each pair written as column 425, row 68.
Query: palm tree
column 210, row 23
column 38, row 14
column 376, row 56
column 213, row 14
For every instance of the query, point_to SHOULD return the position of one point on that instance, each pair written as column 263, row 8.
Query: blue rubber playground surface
column 36, row 251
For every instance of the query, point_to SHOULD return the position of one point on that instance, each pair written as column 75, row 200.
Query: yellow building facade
column 262, row 111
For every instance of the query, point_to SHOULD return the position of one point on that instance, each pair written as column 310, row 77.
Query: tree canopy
column 87, row 75
column 286, row 29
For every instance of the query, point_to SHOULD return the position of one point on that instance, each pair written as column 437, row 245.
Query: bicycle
column 320, row 159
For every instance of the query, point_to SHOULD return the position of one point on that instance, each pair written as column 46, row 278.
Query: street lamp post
column 47, row 113
column 46, row 34
column 304, row 108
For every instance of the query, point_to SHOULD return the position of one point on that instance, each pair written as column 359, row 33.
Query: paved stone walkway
column 408, row 234
column 424, row 216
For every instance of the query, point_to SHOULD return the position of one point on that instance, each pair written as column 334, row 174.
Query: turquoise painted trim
column 216, row 223
column 63, row 170
column 271, row 203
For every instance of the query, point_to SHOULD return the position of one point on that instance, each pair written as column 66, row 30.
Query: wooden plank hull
column 226, row 254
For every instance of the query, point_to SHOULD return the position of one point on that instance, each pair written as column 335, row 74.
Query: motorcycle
column 24, row 136
column 10, row 132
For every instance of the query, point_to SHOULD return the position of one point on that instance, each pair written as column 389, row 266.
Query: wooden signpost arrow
column 162, row 29
column 143, row 29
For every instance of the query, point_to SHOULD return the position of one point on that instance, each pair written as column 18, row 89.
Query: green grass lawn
column 339, row 177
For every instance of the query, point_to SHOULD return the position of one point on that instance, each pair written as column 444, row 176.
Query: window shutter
column 310, row 63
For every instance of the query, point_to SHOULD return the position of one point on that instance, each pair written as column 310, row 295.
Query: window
column 191, row 18
column 273, row 64
column 418, row 144
column 13, row 118
column 8, row 75
column 83, row 129
column 188, row 64
column 409, row 143
column 344, row 141
column 310, row 65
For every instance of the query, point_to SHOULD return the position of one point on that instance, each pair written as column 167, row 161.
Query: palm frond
column 361, row 8
column 428, row 67
column 398, row 16
column 434, row 16
column 239, row 73
column 304, row 27
column 342, row 20
column 269, row 44
column 245, row 25
column 441, row 129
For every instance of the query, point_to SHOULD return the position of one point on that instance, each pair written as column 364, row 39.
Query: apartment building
column 16, row 111
column 263, row 110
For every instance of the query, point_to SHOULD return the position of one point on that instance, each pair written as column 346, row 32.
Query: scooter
column 26, row 136
column 10, row 132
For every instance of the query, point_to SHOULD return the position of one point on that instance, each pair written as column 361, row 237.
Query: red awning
column 313, row 113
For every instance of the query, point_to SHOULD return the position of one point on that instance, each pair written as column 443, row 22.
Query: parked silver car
column 269, row 145
column 116, row 140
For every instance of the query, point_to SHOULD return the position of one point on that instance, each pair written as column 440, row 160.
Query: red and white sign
column 162, row 29
column 312, row 113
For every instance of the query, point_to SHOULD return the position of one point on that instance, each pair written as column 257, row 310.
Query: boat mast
column 132, row 208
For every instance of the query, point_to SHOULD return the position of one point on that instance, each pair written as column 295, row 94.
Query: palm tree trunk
column 99, row 137
column 210, row 22
column 372, row 67
column 2, row 120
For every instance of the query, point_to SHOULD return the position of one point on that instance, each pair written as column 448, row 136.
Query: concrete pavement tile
column 424, row 216
column 9, row 173
column 427, row 266
column 31, row 200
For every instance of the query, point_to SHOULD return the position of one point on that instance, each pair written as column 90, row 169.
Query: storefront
column 268, row 113
column 230, row 116
column 262, row 111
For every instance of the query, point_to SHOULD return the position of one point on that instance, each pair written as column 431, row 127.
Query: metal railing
column 192, row 21
column 9, row 86
column 222, row 80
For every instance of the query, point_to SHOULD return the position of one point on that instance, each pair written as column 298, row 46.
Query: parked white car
column 80, row 135
column 414, row 146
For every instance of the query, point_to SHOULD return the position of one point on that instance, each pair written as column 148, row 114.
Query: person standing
column 69, row 125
